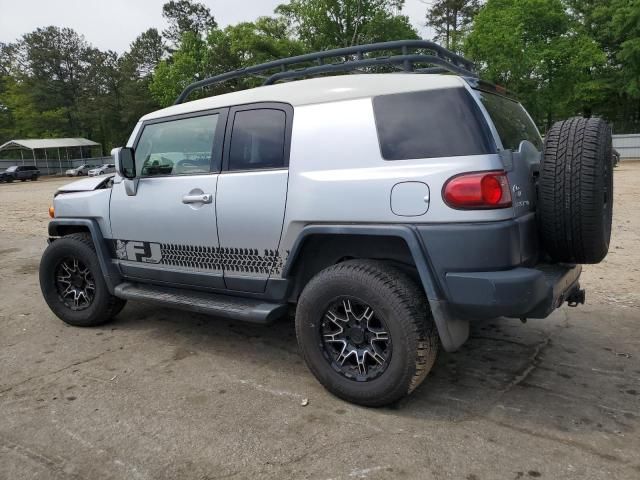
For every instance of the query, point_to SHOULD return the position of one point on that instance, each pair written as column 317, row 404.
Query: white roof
column 318, row 90
column 48, row 143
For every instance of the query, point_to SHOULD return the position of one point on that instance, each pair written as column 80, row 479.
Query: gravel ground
column 163, row 394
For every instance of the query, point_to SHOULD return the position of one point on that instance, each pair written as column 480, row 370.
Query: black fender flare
column 452, row 330
column 110, row 272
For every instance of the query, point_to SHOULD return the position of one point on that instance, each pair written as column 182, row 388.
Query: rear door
column 165, row 231
column 252, row 193
column 521, row 144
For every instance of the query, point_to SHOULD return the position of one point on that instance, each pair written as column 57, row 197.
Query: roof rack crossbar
column 353, row 58
column 370, row 62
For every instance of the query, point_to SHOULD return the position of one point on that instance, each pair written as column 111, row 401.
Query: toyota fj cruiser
column 391, row 210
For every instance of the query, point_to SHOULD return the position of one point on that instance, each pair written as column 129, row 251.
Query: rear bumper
column 518, row 292
column 494, row 269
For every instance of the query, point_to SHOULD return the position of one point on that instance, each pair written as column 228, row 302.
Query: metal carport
column 34, row 151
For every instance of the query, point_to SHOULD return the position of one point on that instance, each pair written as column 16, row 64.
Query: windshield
column 12, row 169
column 511, row 121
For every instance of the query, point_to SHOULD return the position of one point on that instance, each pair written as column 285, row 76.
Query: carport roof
column 48, row 143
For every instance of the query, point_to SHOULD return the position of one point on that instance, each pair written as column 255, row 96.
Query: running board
column 243, row 309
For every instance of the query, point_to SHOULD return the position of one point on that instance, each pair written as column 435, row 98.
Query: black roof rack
column 350, row 59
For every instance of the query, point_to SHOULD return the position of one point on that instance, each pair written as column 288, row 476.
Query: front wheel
column 366, row 332
column 72, row 284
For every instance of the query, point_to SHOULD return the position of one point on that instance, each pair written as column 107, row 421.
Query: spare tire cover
column 575, row 191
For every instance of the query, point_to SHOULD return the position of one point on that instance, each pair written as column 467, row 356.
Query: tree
column 250, row 43
column 53, row 83
column 145, row 52
column 450, row 20
column 186, row 16
column 325, row 24
column 224, row 50
column 626, row 32
column 614, row 26
column 55, row 65
column 534, row 48
column 186, row 65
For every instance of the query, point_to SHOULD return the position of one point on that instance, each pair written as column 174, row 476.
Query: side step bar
column 243, row 309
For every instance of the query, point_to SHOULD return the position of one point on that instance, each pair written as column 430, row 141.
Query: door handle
column 202, row 198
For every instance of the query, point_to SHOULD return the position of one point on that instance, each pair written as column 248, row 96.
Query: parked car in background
column 20, row 172
column 78, row 171
column 102, row 169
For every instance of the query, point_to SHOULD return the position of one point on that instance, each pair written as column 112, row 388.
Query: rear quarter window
column 511, row 120
column 428, row 124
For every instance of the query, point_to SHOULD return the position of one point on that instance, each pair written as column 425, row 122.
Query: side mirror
column 125, row 161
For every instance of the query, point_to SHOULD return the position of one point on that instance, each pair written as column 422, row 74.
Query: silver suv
column 388, row 210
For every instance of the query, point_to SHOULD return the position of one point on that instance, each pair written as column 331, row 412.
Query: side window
column 431, row 123
column 257, row 139
column 511, row 121
column 177, row 147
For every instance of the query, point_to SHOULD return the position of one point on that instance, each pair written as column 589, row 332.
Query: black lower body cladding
column 575, row 191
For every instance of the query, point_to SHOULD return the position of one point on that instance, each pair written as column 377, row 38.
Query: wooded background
column 561, row 57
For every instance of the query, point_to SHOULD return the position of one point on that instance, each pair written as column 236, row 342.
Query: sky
column 114, row 24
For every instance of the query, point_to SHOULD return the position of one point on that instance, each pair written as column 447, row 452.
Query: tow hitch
column 576, row 297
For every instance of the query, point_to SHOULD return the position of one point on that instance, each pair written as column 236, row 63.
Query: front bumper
column 519, row 292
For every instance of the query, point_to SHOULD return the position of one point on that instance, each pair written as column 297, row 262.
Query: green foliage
column 625, row 24
column 186, row 16
column 450, row 20
column 536, row 49
column 561, row 57
column 326, row 24
column 237, row 46
column 173, row 75
column 53, row 84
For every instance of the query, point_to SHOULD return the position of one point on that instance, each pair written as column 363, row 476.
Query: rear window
column 427, row 124
column 511, row 121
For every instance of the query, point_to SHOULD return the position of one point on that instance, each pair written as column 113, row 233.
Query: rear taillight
column 477, row 190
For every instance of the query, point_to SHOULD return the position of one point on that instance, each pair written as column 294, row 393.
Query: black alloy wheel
column 74, row 283
column 355, row 341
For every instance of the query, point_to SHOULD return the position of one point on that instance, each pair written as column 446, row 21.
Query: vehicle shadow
column 518, row 376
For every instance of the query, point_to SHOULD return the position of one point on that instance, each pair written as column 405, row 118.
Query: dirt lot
column 161, row 394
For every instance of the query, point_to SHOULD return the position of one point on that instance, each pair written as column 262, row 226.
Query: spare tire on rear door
column 575, row 191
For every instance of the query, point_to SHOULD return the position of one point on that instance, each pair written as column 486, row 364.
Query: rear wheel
column 34, row 178
column 365, row 331
column 72, row 284
column 576, row 191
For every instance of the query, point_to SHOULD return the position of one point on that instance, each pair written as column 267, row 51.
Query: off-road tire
column 104, row 306
column 575, row 191
column 403, row 305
